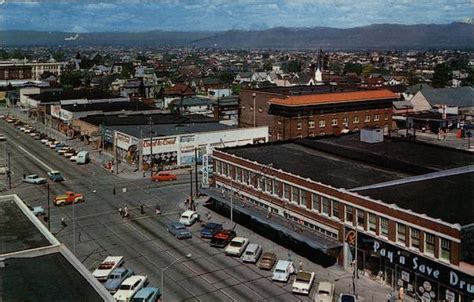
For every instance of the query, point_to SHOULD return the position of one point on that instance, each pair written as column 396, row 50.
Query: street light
column 165, row 268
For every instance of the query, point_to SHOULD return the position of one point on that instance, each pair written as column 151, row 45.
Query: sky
column 217, row 15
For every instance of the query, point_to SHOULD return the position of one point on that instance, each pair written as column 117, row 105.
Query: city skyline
column 218, row 15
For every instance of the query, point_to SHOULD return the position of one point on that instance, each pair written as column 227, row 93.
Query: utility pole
column 196, row 170
column 9, row 172
column 116, row 155
column 150, row 122
column 191, row 185
column 49, row 212
column 140, row 149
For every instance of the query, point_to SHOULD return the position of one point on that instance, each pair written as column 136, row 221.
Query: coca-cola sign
column 160, row 142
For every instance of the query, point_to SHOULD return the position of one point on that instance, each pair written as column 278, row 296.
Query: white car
column 3, row 138
column 73, row 158
column 45, row 140
column 63, row 150
column 53, row 144
column 34, row 179
column 107, row 266
column 283, row 270
column 130, row 287
column 189, row 217
column 303, row 282
column 325, row 292
column 236, row 246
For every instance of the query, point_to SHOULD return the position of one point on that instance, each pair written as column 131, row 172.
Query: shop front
column 420, row 276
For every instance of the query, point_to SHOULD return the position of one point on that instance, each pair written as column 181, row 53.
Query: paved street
column 142, row 238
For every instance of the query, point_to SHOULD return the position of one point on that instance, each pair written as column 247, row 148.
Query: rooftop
column 171, row 129
column 107, row 106
column 143, row 119
column 56, row 96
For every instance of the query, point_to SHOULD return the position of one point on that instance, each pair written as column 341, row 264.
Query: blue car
column 178, row 230
column 210, row 229
column 147, row 294
column 116, row 278
column 55, row 176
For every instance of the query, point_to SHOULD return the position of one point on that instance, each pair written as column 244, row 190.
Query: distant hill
column 377, row 36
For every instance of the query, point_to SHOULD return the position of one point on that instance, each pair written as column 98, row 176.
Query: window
column 322, row 123
column 445, row 249
column 298, row 126
column 225, row 169
column 415, row 238
column 238, row 173
column 294, row 194
column 360, row 218
column 261, row 183
column 345, row 121
column 276, row 187
column 260, row 110
column 401, row 233
column 429, row 243
column 286, row 191
column 384, row 227
column 334, row 122
column 367, row 118
column 386, row 117
column 376, row 117
column 325, row 202
column 372, row 223
column 311, row 124
column 356, row 119
column 303, row 198
column 218, row 167
column 335, row 209
column 269, row 185
column 243, row 106
column 315, row 200
column 349, row 214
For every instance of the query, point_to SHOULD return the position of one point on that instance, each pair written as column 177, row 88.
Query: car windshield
column 125, row 286
column 179, row 227
column 236, row 244
column 280, row 271
column 347, row 299
column 248, row 253
column 33, row 176
column 323, row 292
column 185, row 217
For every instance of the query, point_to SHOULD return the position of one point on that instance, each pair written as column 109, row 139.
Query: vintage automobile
column 116, row 278
column 147, row 294
column 236, row 246
column 268, row 261
column 34, row 179
column 55, row 176
column 303, row 282
column 283, row 270
column 210, row 229
column 106, row 267
column 129, row 287
column 188, row 217
column 325, row 292
column 68, row 198
column 222, row 238
column 178, row 230
column 163, row 176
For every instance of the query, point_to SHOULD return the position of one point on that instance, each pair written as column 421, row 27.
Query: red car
column 222, row 238
column 163, row 176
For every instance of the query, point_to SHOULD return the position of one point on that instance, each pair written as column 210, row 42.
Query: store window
column 303, row 198
column 311, row 124
column 445, row 249
column 315, row 202
column 372, row 223
column 384, row 227
column 335, row 209
column 325, row 203
column 286, row 191
column 360, row 218
column 415, row 238
column 349, row 214
column 294, row 194
column 429, row 244
column 322, row 123
column 401, row 233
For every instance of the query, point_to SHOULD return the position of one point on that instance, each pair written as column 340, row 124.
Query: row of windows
column 359, row 218
column 345, row 121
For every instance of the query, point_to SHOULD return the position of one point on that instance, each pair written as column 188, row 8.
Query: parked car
column 116, row 278
column 63, row 150
column 69, row 153
column 303, row 282
column 252, row 253
column 73, row 158
column 147, row 294
column 3, row 169
column 210, row 229
column 163, row 176
column 236, row 246
column 68, row 198
column 29, row 129
column 55, row 176
column 52, row 143
column 347, row 298
column 283, row 270
column 2, row 137
column 129, row 287
column 268, row 261
column 56, row 145
column 60, row 146
column 325, row 292
column 106, row 267
column 82, row 157
column 222, row 238
column 37, row 211
column 178, row 230
column 189, row 217
column 34, row 179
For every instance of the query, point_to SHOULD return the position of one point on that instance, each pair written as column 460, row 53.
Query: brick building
column 15, row 72
column 308, row 111
column 406, row 207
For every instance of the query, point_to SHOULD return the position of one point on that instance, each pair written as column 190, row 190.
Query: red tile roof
column 334, row 97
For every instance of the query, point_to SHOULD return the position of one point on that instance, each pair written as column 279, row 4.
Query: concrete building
column 404, row 210
column 21, row 70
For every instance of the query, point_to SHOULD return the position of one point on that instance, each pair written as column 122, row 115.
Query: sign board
column 56, row 111
column 205, row 171
column 160, row 142
column 405, row 276
column 351, row 238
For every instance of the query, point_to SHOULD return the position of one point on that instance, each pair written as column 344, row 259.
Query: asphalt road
column 142, row 239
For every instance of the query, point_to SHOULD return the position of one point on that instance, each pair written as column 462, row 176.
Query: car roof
column 54, row 171
column 324, row 285
column 188, row 212
column 252, row 246
column 239, row 239
column 132, row 279
column 119, row 270
column 282, row 264
column 145, row 291
column 211, row 225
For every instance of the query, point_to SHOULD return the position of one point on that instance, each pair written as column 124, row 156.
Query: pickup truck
column 68, row 198
column 303, row 282
column 106, row 267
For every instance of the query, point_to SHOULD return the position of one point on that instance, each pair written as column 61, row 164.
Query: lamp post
column 254, row 95
column 163, row 270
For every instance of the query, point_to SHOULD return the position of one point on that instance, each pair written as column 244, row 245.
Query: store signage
column 426, row 267
column 160, row 142
column 123, row 138
column 55, row 110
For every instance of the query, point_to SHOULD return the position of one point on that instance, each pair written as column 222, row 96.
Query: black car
column 222, row 238
column 210, row 229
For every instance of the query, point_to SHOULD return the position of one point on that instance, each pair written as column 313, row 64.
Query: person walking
column 157, row 210
column 121, row 212
column 142, row 209
column 63, row 222
column 125, row 211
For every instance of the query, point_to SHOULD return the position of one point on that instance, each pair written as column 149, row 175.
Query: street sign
column 205, row 171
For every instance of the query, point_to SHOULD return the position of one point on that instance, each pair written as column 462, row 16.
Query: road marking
column 34, row 157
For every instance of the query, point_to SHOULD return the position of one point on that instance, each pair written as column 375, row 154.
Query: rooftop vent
column 371, row 135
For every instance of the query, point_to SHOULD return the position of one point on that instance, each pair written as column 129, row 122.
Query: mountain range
column 376, row 36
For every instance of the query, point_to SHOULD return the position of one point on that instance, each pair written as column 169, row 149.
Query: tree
column 442, row 75
column 236, row 89
column 4, row 54
column 469, row 81
column 72, row 79
column 353, row 67
column 267, row 66
column 367, row 70
column 294, row 66
column 58, row 55
column 226, row 77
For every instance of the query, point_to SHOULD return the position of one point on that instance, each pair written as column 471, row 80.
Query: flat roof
column 171, row 129
column 449, row 198
column 17, row 232
column 107, row 106
column 143, row 119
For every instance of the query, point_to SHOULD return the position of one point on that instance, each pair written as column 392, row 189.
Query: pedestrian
column 208, row 215
column 300, row 265
column 157, row 210
column 63, row 222
column 121, row 212
column 142, row 209
column 125, row 211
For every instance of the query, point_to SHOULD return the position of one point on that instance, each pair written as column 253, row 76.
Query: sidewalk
column 450, row 141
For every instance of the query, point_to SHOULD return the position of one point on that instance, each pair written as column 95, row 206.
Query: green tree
column 267, row 66
column 236, row 88
column 4, row 54
column 469, row 81
column 442, row 75
column 367, row 70
column 353, row 67
column 226, row 77
column 72, row 79
column 58, row 55
column 294, row 66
